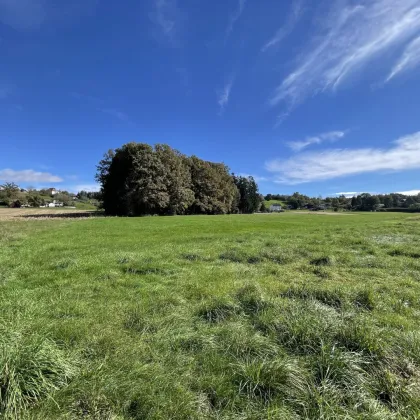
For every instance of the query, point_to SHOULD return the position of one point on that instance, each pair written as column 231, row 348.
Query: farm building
column 275, row 208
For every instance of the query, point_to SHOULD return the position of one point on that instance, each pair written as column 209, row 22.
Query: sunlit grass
column 288, row 316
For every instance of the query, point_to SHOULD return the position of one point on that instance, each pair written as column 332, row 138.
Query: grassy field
column 285, row 316
column 268, row 203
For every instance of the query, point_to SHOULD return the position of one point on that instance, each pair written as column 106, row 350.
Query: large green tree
column 9, row 192
column 139, row 179
column 249, row 197
column 177, row 178
column 213, row 186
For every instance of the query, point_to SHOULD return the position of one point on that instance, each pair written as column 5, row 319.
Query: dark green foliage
column 35, row 200
column 395, row 202
column 138, row 179
column 249, row 197
column 263, row 208
column 214, row 189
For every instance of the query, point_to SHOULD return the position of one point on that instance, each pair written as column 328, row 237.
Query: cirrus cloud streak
column 350, row 36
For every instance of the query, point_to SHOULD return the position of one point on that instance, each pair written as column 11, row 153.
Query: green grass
column 268, row 203
column 80, row 205
column 289, row 316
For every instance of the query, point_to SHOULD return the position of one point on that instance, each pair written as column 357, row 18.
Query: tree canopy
column 138, row 179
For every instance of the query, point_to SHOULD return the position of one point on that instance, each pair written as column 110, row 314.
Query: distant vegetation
column 361, row 202
column 11, row 195
column 138, row 179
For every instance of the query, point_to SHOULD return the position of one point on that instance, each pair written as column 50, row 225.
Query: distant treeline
column 12, row 195
column 361, row 202
column 138, row 179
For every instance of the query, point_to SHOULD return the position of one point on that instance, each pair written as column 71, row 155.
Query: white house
column 275, row 208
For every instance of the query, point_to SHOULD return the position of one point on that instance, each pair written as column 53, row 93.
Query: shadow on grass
column 75, row 215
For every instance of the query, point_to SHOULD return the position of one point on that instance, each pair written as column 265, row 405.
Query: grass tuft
column 322, row 261
column 332, row 298
column 32, row 368
column 266, row 379
column 217, row 310
column 365, row 299
column 250, row 299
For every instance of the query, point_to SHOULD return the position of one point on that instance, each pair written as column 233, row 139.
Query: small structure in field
column 275, row 208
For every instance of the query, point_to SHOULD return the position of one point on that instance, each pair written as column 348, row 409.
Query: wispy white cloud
column 28, row 175
column 26, row 15
column 122, row 116
column 330, row 136
column 6, row 91
column 404, row 154
column 101, row 106
column 235, row 17
column 352, row 34
column 257, row 178
column 88, row 98
column 184, row 78
column 23, row 14
column 409, row 60
column 86, row 187
column 168, row 18
column 224, row 95
column 293, row 18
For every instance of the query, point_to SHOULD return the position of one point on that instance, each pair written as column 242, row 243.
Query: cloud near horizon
column 257, row 178
column 410, row 192
column 330, row 136
column 28, row 175
column 351, row 35
column 404, row 154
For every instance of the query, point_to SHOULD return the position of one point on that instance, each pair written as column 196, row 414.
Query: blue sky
column 318, row 97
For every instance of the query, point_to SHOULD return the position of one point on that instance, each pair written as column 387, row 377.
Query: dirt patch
column 16, row 214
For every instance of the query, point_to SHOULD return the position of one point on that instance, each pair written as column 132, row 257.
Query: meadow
column 284, row 316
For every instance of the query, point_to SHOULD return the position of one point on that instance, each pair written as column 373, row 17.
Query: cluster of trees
column 368, row 202
column 361, row 202
column 138, row 179
column 12, row 195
